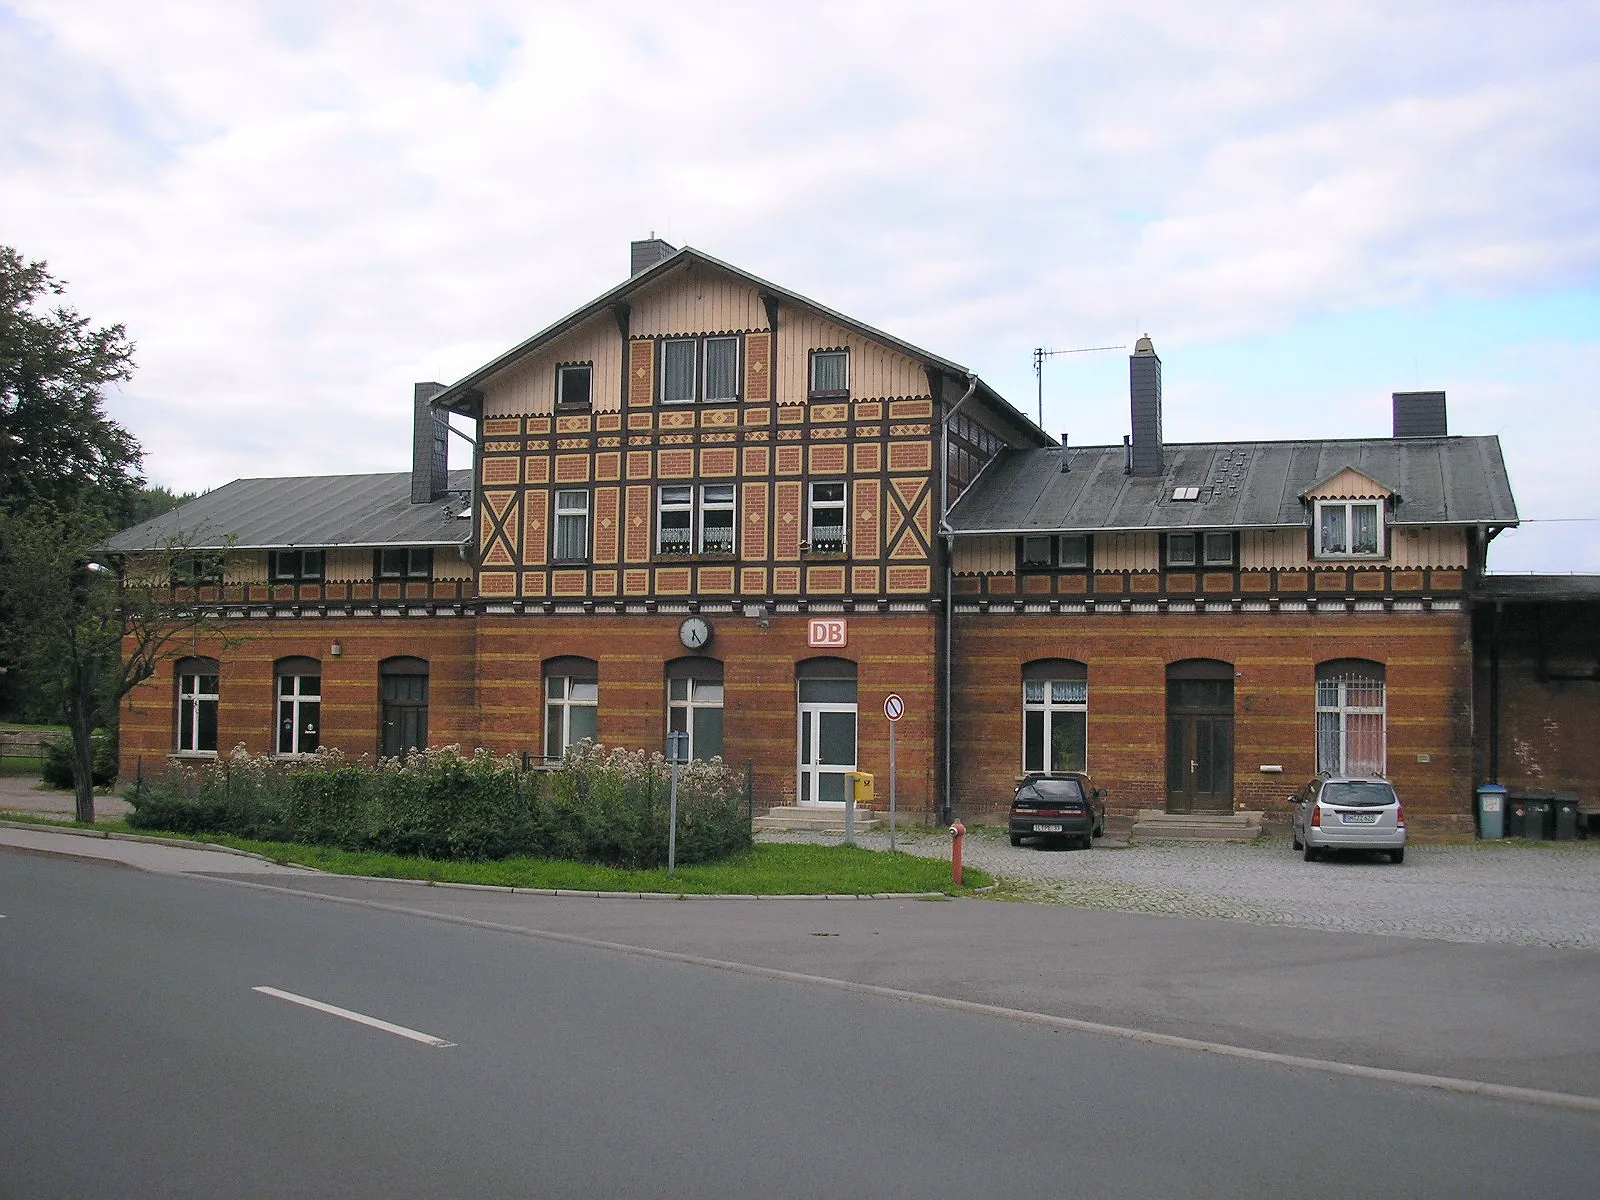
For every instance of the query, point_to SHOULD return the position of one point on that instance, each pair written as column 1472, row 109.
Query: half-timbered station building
column 705, row 503
column 701, row 502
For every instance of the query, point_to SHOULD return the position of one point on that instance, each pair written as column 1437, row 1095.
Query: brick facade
column 1429, row 700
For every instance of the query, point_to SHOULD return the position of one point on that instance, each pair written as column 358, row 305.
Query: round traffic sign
column 893, row 707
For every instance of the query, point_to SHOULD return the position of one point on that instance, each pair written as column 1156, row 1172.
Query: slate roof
column 1438, row 481
column 311, row 512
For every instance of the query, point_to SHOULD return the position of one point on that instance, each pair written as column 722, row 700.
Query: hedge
column 599, row 806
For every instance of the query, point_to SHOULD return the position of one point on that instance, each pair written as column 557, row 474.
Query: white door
column 827, row 751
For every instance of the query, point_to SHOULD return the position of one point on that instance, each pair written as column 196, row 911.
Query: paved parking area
column 1506, row 893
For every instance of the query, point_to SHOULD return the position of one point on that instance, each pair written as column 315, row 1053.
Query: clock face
column 694, row 632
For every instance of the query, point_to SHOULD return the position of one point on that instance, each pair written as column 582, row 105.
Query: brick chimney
column 648, row 253
column 1419, row 414
column 430, row 461
column 1144, row 389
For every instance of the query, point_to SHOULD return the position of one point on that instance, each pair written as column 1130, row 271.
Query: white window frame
column 562, row 695
column 563, row 373
column 1172, row 560
column 1053, row 697
column 1348, row 507
column 568, row 512
column 695, row 697
column 1340, row 697
column 730, row 505
column 680, row 504
column 297, row 701
column 191, row 692
column 843, row 507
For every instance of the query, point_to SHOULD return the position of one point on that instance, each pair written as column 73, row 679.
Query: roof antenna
column 1040, row 353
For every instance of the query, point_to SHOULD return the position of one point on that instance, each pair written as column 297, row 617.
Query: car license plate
column 1359, row 818
column 1047, row 829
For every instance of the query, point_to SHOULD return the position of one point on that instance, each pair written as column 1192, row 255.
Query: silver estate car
column 1346, row 812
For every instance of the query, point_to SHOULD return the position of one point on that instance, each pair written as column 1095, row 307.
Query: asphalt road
column 137, row 1060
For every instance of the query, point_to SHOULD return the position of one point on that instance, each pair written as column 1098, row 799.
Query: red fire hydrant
column 958, row 833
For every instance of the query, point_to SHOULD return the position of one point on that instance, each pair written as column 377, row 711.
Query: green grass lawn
column 768, row 870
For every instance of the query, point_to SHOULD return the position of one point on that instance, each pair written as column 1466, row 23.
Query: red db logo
column 826, row 631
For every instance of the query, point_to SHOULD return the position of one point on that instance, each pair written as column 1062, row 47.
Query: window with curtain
column 1352, row 736
column 572, row 525
column 1055, row 716
column 677, row 370
column 1349, row 528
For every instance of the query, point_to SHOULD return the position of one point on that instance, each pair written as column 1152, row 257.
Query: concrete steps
column 1196, row 827
column 825, row 820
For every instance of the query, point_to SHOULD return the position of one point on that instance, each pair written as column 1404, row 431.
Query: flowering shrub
column 602, row 806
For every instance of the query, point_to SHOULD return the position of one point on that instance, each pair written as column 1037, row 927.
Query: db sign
column 826, row 631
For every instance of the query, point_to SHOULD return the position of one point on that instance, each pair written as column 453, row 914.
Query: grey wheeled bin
column 1491, row 811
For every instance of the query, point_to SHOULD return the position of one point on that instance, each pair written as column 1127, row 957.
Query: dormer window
column 574, row 385
column 1349, row 528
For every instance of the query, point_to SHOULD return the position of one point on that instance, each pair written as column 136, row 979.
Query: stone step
column 794, row 817
column 1197, row 827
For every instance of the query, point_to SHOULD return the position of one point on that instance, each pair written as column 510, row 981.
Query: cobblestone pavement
column 1546, row 894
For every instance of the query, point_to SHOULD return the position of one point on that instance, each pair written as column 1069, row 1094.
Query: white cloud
column 299, row 209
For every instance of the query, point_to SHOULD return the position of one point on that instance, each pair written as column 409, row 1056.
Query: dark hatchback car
column 1058, row 806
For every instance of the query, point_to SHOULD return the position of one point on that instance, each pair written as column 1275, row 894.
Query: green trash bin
column 1530, row 815
column 1491, row 811
column 1566, row 817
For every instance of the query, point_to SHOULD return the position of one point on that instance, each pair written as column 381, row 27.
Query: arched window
column 694, row 704
column 299, row 705
column 571, row 703
column 1352, row 738
column 403, row 685
column 198, row 695
column 1055, row 715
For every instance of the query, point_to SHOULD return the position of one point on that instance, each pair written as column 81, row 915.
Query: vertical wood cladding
column 1429, row 699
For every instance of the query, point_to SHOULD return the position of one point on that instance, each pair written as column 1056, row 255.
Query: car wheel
column 1312, row 853
column 1016, row 839
column 1397, row 856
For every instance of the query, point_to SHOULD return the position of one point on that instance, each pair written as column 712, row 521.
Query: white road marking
column 358, row 1018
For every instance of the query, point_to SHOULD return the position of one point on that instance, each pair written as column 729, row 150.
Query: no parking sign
column 893, row 707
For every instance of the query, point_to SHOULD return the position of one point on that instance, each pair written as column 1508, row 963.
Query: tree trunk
column 82, row 761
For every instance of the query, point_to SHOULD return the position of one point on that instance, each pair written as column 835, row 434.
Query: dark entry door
column 1199, row 763
column 1200, row 737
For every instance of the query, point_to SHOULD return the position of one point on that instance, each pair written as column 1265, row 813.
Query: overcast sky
column 299, row 209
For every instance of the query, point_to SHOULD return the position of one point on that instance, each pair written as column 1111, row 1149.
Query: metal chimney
column 1419, row 414
column 1144, row 389
column 1066, row 456
column 430, row 461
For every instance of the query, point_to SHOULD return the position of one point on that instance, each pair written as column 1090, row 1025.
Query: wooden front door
column 1200, row 737
column 1200, row 763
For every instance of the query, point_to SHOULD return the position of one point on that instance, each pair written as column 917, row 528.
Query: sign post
column 677, row 755
column 894, row 708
